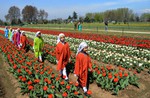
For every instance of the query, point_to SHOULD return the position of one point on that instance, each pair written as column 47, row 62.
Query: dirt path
column 8, row 83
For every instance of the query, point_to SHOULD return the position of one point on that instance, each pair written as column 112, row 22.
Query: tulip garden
column 117, row 62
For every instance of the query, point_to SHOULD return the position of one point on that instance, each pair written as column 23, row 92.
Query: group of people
column 83, row 61
column 63, row 55
column 78, row 25
column 17, row 37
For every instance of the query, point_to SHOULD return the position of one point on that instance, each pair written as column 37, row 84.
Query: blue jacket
column 6, row 33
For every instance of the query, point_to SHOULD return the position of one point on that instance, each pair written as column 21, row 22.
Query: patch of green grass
column 133, row 26
column 121, row 29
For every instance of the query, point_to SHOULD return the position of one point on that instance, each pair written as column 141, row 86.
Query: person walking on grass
column 6, row 32
column 106, row 25
column 23, row 40
column 38, row 45
column 79, row 26
column 62, row 55
column 82, row 64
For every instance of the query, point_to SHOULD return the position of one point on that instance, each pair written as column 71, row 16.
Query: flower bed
column 39, row 80
column 36, row 79
column 135, row 42
column 107, row 78
column 127, row 57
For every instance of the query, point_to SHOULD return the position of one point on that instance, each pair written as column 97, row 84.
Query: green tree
column 13, row 14
column 1, row 22
column 42, row 16
column 145, row 17
column 75, row 16
column 86, row 19
column 30, row 14
column 81, row 19
column 69, row 17
column 14, row 22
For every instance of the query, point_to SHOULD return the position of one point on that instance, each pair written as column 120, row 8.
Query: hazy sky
column 64, row 8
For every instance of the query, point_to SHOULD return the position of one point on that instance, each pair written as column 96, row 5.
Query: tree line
column 29, row 14
column 123, row 15
column 117, row 15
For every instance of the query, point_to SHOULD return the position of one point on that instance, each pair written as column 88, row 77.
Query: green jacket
column 38, row 44
column 10, row 34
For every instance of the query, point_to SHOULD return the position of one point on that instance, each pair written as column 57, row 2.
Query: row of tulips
column 36, row 79
column 106, row 54
column 113, row 79
column 107, row 77
column 128, row 41
column 134, row 52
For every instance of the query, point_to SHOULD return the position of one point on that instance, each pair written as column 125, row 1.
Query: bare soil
column 8, row 84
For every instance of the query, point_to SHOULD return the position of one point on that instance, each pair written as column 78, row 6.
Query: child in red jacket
column 83, row 63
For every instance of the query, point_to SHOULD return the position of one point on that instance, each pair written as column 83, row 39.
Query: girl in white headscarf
column 83, row 63
column 61, row 35
column 38, row 45
column 23, row 41
column 11, row 35
column 62, row 55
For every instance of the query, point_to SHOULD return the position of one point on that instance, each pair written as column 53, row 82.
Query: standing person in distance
column 62, row 55
column 106, row 26
column 79, row 26
column 38, row 45
column 83, row 63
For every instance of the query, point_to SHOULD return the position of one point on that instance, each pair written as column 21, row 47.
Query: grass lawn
column 134, row 29
column 134, row 26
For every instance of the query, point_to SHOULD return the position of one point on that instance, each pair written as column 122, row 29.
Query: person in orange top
column 23, row 40
column 83, row 63
column 62, row 55
column 14, row 38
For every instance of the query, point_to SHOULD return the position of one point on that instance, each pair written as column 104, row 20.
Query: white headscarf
column 81, row 47
column 58, row 38
column 38, row 32
column 22, row 32
column 13, row 30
